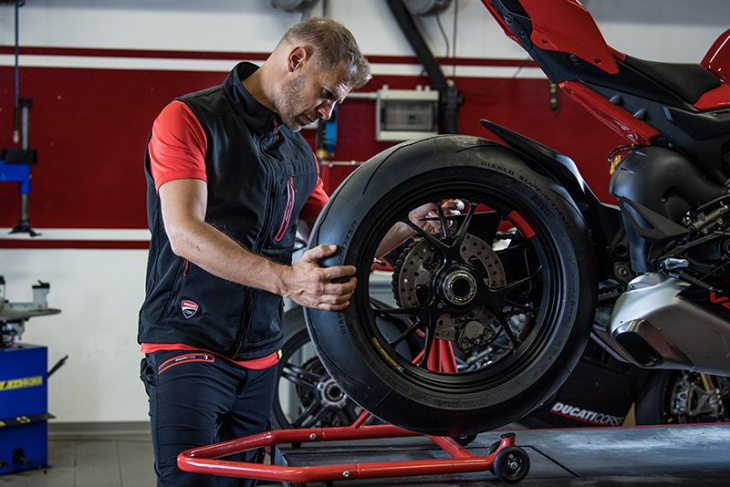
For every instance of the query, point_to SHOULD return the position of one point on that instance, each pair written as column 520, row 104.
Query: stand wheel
column 493, row 447
column 512, row 464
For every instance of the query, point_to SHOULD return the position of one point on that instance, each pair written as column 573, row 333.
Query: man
column 228, row 177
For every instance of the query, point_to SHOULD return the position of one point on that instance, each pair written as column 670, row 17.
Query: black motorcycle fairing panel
column 518, row 21
column 666, row 183
column 599, row 392
column 662, row 180
column 701, row 126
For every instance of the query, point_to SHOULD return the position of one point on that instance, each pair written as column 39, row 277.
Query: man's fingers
column 341, row 289
column 319, row 252
column 338, row 272
column 457, row 205
column 334, row 307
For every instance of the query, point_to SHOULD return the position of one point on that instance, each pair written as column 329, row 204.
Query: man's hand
column 426, row 217
column 312, row 286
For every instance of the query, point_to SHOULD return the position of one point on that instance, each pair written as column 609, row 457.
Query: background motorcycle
column 514, row 285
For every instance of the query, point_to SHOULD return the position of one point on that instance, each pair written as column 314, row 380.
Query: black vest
column 259, row 174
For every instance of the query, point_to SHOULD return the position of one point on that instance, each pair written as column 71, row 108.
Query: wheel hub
column 418, row 278
column 331, row 395
column 459, row 287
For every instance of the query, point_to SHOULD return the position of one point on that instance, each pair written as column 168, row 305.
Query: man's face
column 310, row 94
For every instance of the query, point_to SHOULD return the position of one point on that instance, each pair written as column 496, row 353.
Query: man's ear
column 297, row 57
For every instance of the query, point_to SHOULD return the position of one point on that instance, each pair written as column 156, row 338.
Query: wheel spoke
column 511, row 286
column 464, row 226
column 427, row 351
column 300, row 376
column 297, row 423
column 444, row 224
column 344, row 420
column 416, row 311
column 430, row 238
column 411, row 329
column 504, row 322
column 316, row 418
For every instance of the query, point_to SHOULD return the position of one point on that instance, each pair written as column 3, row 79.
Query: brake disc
column 413, row 280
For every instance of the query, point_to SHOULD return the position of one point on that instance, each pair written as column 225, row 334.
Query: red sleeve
column 316, row 201
column 178, row 145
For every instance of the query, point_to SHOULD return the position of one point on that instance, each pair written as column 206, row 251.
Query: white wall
column 669, row 30
column 99, row 291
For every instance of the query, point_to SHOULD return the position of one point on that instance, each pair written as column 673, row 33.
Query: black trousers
column 196, row 399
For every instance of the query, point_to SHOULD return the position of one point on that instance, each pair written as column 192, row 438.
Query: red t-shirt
column 177, row 150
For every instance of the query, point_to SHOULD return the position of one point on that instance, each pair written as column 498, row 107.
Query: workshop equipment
column 23, row 385
column 15, row 167
column 507, row 461
column 15, row 162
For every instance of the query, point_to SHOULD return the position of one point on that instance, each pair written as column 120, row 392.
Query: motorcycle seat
column 688, row 81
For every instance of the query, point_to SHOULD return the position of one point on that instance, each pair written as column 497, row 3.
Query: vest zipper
column 291, row 195
column 259, row 242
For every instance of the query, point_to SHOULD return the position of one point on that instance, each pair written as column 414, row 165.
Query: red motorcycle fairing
column 613, row 116
column 557, row 24
column 715, row 99
column 646, row 102
column 717, row 59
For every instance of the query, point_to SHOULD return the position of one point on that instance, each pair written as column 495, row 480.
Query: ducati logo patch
column 189, row 308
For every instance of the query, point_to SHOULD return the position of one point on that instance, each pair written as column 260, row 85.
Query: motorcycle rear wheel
column 515, row 266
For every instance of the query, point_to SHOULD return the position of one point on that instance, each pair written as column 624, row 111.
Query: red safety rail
column 209, row 459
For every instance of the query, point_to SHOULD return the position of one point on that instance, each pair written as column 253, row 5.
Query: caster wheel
column 512, row 464
column 493, row 447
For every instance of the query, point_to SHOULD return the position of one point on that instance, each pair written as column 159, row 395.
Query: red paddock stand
column 508, row 462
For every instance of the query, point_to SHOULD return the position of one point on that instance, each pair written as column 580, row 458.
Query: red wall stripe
column 89, row 127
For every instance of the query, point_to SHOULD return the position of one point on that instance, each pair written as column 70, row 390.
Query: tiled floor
column 122, row 461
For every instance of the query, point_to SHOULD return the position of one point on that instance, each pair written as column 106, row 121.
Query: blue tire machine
column 23, row 385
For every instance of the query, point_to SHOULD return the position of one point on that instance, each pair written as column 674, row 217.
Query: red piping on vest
column 291, row 195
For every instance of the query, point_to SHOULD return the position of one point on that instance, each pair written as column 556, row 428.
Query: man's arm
column 424, row 217
column 183, row 212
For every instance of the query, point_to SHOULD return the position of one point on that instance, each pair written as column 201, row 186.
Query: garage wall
column 99, row 72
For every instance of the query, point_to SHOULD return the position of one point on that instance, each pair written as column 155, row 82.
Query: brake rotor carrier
column 413, row 280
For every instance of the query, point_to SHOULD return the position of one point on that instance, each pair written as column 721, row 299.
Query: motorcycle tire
column 678, row 397
column 550, row 267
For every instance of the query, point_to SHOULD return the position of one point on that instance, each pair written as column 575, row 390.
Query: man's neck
column 256, row 86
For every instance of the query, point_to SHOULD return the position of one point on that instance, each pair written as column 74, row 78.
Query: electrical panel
column 406, row 114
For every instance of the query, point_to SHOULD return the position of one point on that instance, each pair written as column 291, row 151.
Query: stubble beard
column 290, row 102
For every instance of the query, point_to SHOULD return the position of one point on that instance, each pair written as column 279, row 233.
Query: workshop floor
column 123, row 461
